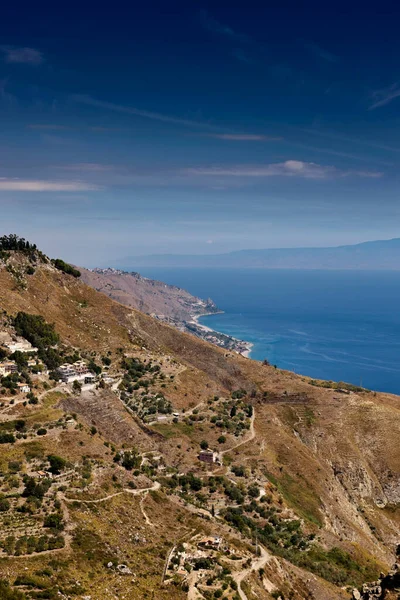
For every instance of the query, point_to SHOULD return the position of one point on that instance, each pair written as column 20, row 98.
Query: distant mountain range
column 381, row 254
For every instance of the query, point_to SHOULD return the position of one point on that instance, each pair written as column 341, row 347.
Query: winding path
column 258, row 563
column 251, row 436
column 154, row 487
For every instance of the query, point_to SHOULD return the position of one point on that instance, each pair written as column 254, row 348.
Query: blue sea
column 335, row 325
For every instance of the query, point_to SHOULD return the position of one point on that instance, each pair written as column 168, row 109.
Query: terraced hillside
column 298, row 497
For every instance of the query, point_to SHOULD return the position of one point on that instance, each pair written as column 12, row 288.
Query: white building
column 75, row 372
column 20, row 345
column 23, row 388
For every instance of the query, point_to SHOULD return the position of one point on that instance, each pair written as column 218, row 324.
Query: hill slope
column 147, row 295
column 311, row 471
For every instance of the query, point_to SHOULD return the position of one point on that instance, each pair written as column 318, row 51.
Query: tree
column 221, row 439
column 65, row 267
column 77, row 386
column 233, row 411
column 54, row 521
column 57, row 463
column 4, row 503
column 204, row 445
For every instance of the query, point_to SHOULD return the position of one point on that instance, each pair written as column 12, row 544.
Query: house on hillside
column 206, row 456
column 8, row 367
column 20, row 345
column 78, row 371
column 211, row 543
column 23, row 388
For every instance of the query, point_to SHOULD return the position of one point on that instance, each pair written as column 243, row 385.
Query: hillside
column 147, row 295
column 382, row 254
column 167, row 303
column 300, row 498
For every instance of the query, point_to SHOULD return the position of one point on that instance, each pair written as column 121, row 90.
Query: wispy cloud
column 385, row 96
column 48, row 127
column 27, row 56
column 244, row 137
column 38, row 185
column 131, row 110
column 321, row 52
column 242, row 56
column 214, row 26
column 89, row 167
column 59, row 127
column 289, row 168
column 345, row 138
column 102, row 129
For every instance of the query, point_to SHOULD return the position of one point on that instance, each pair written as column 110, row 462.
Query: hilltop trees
column 13, row 242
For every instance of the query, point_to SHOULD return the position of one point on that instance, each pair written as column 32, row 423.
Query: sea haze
column 335, row 325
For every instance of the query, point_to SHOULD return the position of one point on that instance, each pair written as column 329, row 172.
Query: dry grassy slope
column 333, row 456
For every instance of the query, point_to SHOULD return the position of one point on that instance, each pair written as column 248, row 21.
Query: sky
column 198, row 127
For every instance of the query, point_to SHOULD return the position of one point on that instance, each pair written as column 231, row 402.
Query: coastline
column 248, row 346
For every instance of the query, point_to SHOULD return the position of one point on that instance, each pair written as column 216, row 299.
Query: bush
column 7, row 593
column 6, row 438
column 65, row 267
column 54, row 521
column 4, row 503
column 77, row 386
column 41, row 431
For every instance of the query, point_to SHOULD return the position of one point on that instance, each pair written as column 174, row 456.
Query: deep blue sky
column 198, row 126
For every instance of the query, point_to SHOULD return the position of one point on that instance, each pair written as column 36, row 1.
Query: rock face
column 388, row 586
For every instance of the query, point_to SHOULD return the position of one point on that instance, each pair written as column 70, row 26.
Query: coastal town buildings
column 77, row 371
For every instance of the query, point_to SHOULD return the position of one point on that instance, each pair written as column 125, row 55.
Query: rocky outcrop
column 385, row 588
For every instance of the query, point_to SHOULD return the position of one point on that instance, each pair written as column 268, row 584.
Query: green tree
column 4, row 503
column 77, row 386
column 57, row 463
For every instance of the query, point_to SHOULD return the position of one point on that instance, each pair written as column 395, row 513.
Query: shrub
column 4, row 503
column 7, row 593
column 6, row 438
column 65, row 267
column 54, row 521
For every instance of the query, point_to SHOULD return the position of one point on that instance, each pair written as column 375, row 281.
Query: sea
column 333, row 325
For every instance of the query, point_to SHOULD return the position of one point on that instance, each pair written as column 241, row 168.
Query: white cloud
column 289, row 168
column 28, row 56
column 385, row 96
column 37, row 185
